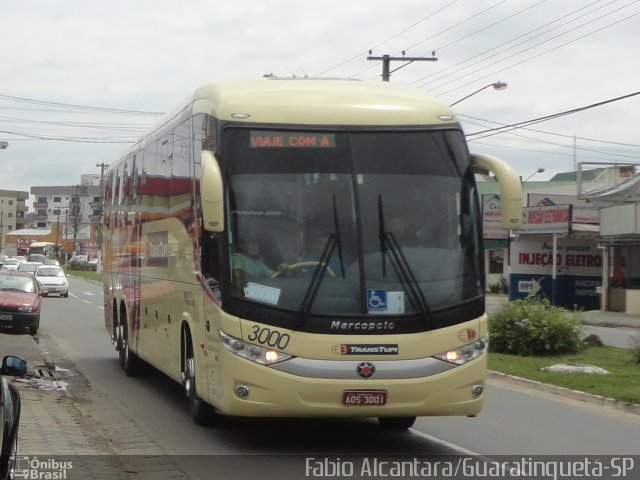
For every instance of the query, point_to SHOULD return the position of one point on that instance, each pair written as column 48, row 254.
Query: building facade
column 580, row 241
column 12, row 213
column 72, row 211
column 620, row 241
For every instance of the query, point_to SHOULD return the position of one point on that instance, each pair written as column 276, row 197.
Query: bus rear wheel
column 129, row 361
column 396, row 423
column 202, row 413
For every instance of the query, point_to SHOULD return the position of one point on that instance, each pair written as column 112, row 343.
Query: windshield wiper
column 389, row 244
column 332, row 243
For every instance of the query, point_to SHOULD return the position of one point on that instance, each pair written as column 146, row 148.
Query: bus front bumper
column 442, row 389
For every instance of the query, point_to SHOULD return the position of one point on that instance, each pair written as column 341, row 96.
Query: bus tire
column 396, row 423
column 202, row 413
column 129, row 361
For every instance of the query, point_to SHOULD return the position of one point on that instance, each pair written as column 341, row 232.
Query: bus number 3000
column 266, row 336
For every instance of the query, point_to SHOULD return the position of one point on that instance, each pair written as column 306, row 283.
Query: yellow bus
column 304, row 248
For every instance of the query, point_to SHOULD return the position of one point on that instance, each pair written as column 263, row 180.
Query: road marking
column 452, row 446
column 89, row 293
column 73, row 295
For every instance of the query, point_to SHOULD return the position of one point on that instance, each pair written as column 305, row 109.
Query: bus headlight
column 466, row 353
column 255, row 353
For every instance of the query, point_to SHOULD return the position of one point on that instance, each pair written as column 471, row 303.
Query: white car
column 52, row 280
column 11, row 264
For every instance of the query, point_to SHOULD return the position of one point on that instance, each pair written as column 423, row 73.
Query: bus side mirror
column 211, row 194
column 510, row 188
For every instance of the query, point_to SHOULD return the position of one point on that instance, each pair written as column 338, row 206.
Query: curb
column 568, row 393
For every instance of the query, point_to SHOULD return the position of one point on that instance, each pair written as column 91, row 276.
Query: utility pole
column 76, row 216
column 99, row 223
column 387, row 59
column 102, row 167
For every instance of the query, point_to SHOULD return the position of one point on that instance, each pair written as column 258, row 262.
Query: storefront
column 620, row 239
column 557, row 258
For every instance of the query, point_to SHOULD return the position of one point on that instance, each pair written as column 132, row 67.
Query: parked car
column 20, row 300
column 79, row 260
column 30, row 267
column 52, row 280
column 9, row 413
column 11, row 264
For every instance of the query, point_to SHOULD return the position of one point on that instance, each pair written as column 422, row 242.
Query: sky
column 80, row 80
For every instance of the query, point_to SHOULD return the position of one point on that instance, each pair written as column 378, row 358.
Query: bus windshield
column 353, row 223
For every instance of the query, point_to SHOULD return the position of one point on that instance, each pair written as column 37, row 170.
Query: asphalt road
column 515, row 420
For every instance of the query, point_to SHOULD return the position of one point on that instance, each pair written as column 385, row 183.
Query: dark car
column 9, row 413
column 20, row 300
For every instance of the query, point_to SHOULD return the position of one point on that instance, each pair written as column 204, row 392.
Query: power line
column 507, row 128
column 78, row 107
column 496, row 62
column 547, row 152
column 586, row 139
column 68, row 139
column 574, row 147
column 465, row 21
column 479, row 57
column 395, row 35
column 98, row 126
column 444, row 31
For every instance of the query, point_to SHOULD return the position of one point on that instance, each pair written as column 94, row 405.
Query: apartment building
column 12, row 212
column 73, row 211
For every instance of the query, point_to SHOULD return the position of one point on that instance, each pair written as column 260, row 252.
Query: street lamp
column 495, row 85
column 539, row 170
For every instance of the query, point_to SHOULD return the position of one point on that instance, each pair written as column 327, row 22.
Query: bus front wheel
column 396, row 423
column 201, row 412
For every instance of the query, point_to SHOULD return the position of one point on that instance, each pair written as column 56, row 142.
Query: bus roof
column 307, row 101
column 320, row 102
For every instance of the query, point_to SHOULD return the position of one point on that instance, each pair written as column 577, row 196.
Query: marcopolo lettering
column 348, row 326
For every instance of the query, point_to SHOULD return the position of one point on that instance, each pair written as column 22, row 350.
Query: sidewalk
column 63, row 419
column 50, row 423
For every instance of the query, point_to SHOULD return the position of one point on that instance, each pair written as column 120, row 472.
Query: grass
column 622, row 384
column 86, row 274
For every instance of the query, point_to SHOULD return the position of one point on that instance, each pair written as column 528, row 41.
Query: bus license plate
column 364, row 397
column 6, row 317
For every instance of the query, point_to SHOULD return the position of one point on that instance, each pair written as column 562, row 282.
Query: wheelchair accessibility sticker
column 380, row 301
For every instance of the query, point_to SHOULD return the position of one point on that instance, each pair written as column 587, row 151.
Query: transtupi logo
column 367, row 349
